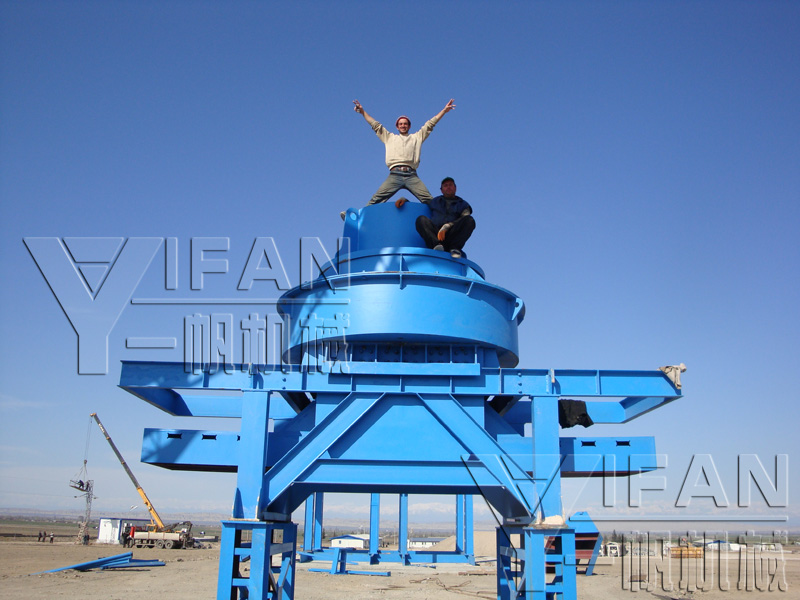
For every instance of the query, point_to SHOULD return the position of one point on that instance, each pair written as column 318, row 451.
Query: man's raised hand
column 447, row 108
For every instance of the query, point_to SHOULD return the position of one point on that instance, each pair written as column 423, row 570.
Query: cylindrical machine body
column 390, row 289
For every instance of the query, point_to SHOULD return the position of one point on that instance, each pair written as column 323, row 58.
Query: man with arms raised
column 402, row 155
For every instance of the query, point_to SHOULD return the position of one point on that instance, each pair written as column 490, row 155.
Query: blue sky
column 634, row 168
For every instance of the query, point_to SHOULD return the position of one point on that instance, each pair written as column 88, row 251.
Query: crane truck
column 157, row 535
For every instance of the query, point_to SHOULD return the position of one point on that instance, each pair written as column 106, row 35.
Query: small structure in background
column 351, row 540
column 111, row 529
column 422, row 543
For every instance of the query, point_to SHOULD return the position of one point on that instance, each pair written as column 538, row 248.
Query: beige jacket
column 404, row 149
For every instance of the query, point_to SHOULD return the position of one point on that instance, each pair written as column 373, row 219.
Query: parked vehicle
column 157, row 535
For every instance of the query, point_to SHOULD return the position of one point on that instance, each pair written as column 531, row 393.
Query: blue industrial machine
column 399, row 376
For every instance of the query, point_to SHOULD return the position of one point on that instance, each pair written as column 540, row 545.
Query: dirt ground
column 192, row 574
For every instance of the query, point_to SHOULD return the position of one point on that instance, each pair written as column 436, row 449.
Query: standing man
column 450, row 223
column 402, row 155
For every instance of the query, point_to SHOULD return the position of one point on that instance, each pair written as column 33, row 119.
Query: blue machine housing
column 388, row 291
column 399, row 376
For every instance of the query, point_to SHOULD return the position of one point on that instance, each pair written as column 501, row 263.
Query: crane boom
column 153, row 514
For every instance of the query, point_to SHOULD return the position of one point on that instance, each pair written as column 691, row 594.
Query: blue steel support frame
column 255, row 417
column 465, row 536
column 588, row 539
column 399, row 375
column 459, row 523
column 402, row 529
column 519, row 572
column 492, row 451
column 464, row 528
column 339, row 560
column 308, row 529
column 546, row 454
column 319, row 499
column 267, row 539
column 312, row 532
column 374, row 527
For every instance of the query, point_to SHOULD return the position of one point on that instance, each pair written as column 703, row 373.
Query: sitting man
column 402, row 155
column 450, row 223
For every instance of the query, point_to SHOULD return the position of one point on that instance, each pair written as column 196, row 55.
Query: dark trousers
column 456, row 236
